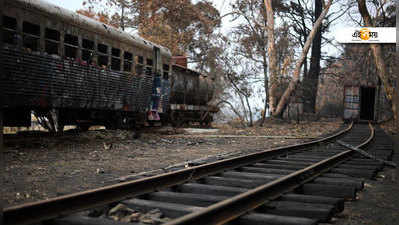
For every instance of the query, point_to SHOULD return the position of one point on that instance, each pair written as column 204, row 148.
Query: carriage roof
column 86, row 23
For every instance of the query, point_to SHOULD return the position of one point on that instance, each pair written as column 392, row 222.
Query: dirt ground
column 38, row 168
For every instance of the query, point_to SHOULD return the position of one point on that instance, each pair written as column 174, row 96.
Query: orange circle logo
column 364, row 34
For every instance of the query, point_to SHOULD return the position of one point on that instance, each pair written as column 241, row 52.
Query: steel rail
column 232, row 208
column 65, row 205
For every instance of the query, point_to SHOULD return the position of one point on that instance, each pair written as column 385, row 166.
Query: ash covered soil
column 38, row 168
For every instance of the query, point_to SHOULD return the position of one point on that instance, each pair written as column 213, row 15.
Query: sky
column 221, row 5
column 68, row 4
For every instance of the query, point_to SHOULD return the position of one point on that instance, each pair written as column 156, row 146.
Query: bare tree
column 251, row 39
column 277, row 109
column 238, row 78
column 301, row 16
column 311, row 79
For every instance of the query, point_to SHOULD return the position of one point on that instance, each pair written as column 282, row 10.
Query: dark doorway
column 367, row 102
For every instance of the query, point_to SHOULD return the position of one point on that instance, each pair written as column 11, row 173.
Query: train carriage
column 78, row 70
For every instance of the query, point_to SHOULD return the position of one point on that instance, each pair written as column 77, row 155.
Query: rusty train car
column 78, row 71
column 190, row 94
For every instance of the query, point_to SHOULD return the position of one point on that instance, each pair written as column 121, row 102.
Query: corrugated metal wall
column 47, row 81
column 351, row 102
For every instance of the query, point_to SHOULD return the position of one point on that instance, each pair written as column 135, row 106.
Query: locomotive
column 73, row 70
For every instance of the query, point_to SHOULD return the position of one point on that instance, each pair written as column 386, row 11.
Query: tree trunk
column 122, row 16
column 295, row 79
column 395, row 107
column 1, row 103
column 311, row 79
column 251, row 123
column 305, row 68
column 397, row 73
column 272, row 55
column 266, row 86
column 243, row 107
column 232, row 109
column 396, row 102
column 377, row 53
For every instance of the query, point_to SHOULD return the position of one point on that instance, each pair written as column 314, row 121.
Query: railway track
column 300, row 184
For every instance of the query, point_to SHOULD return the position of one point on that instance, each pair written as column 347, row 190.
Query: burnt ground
column 378, row 203
column 37, row 168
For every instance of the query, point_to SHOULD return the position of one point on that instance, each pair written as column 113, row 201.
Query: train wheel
column 175, row 120
column 203, row 124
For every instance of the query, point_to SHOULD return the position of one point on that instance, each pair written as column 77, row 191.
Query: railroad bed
column 301, row 184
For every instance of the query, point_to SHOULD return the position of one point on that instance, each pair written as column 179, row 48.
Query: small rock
column 146, row 220
column 75, row 172
column 99, row 170
column 122, row 213
column 134, row 217
column 119, row 208
column 155, row 213
column 167, row 141
column 107, row 146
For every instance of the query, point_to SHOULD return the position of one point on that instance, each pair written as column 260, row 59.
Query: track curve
column 201, row 194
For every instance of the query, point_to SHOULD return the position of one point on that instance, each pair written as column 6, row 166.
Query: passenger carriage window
column 30, row 28
column 127, row 64
column 149, row 66
column 116, row 59
column 9, row 30
column 87, row 44
column 102, row 49
column 140, row 60
column 9, row 23
column 71, row 39
column 165, row 69
column 140, row 65
column 71, row 45
column 102, row 55
column 116, row 52
column 52, row 41
column 31, row 36
column 87, row 50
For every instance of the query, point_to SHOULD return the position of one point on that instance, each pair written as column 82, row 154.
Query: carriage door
column 157, row 61
column 156, row 107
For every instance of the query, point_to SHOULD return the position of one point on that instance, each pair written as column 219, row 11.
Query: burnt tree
column 277, row 110
column 311, row 78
